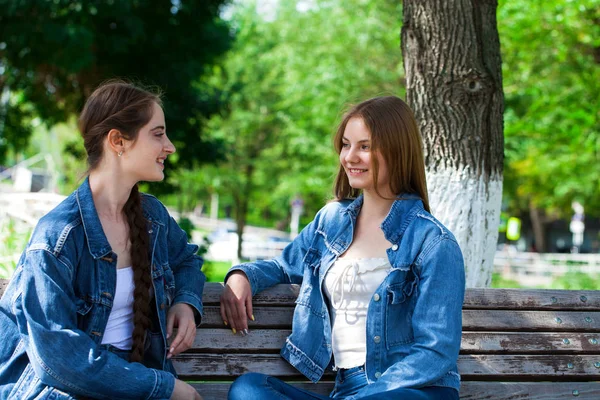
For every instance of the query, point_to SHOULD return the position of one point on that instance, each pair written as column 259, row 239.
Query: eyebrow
column 157, row 127
column 360, row 141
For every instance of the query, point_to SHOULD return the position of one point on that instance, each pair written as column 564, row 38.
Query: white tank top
column 349, row 285
column 119, row 328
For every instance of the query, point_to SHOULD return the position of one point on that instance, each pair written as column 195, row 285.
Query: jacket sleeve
column 64, row 357
column 287, row 268
column 187, row 269
column 437, row 321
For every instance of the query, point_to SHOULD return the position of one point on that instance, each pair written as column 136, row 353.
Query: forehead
column 356, row 130
column 158, row 115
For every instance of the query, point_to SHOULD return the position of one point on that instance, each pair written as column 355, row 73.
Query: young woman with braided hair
column 107, row 274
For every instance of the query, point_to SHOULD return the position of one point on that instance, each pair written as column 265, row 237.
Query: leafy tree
column 53, row 53
column 285, row 82
column 551, row 59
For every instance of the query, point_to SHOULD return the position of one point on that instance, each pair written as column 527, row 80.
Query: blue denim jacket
column 55, row 309
column 414, row 319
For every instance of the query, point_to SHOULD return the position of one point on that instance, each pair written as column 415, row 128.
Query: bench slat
column 271, row 340
column 472, row 367
column 482, row 320
column 475, row 298
column 468, row 390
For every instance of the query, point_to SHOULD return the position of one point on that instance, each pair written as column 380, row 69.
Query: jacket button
column 162, row 306
column 377, row 339
column 377, row 375
column 376, row 297
column 395, row 247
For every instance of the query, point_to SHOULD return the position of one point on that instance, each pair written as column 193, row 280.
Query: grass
column 215, row 271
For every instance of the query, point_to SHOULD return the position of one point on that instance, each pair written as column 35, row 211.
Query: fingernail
column 225, row 322
column 234, row 331
column 252, row 317
column 246, row 332
column 171, row 350
column 168, row 335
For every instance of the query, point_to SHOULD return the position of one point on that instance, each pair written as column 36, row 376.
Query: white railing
column 540, row 269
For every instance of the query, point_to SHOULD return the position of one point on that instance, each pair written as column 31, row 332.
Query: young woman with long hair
column 382, row 281
column 107, row 274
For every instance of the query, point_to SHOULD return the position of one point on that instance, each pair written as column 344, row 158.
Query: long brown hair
column 395, row 135
column 127, row 108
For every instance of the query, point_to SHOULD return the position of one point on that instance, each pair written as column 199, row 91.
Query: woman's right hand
column 184, row 391
column 236, row 302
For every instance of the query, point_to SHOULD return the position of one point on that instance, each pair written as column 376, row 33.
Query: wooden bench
column 516, row 344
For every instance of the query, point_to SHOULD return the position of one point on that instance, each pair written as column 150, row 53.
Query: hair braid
column 140, row 261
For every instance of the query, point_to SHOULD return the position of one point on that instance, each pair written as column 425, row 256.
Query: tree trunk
column 453, row 70
column 241, row 202
column 537, row 224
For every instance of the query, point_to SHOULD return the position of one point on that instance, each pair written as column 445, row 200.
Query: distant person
column 382, row 280
column 107, row 274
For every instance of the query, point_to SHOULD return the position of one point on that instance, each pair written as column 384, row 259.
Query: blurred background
column 253, row 90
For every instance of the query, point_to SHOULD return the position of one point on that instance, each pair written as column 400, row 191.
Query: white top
column 119, row 328
column 349, row 285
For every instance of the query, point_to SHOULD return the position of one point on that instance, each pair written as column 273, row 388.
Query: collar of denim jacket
column 401, row 214
column 96, row 240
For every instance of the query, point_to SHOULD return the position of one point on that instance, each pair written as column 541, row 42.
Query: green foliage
column 285, row 82
column 187, row 226
column 499, row 282
column 53, row 53
column 12, row 242
column 215, row 271
column 551, row 68
column 577, row 281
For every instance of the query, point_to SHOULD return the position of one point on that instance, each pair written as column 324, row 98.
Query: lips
column 356, row 171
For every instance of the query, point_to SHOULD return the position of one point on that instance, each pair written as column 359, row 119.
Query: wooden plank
column 529, row 390
column 471, row 367
column 212, row 340
column 483, row 320
column 523, row 321
column 475, row 298
column 277, row 296
column 224, row 341
column 530, row 343
column 531, row 299
column 265, row 317
column 468, row 390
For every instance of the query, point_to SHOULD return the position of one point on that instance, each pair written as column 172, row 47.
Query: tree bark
column 451, row 53
column 537, row 224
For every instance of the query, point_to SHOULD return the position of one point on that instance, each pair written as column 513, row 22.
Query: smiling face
column 358, row 160
column 144, row 158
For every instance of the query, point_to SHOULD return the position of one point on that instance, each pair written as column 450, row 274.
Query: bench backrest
column 534, row 344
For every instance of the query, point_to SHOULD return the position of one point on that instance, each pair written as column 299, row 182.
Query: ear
column 115, row 141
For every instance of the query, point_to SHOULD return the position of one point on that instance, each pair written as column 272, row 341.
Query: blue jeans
column 347, row 383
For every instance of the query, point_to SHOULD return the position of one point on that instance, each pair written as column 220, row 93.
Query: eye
column 345, row 145
column 365, row 147
column 159, row 134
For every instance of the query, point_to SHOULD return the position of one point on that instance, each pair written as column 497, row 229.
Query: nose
column 169, row 147
column 350, row 155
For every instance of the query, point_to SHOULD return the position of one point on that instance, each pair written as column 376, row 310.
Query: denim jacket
column 414, row 318
column 56, row 307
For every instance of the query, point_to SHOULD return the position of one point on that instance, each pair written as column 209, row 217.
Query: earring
column 120, row 153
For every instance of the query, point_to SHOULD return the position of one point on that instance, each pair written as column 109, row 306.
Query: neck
column 109, row 194
column 375, row 206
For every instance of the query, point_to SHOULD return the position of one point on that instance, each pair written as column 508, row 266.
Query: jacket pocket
column 399, row 311
column 86, row 318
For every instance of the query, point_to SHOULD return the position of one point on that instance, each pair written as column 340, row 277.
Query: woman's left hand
column 181, row 316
